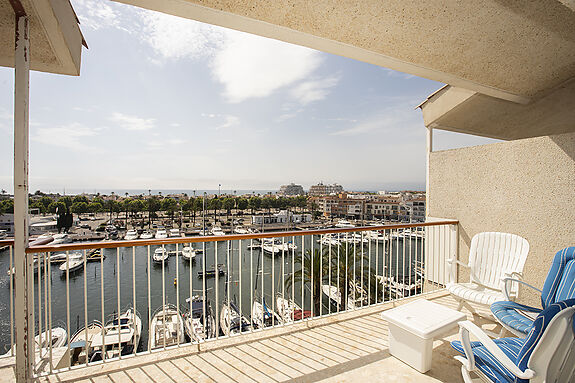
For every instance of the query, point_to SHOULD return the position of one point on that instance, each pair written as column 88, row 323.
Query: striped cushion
column 510, row 313
column 475, row 293
column 518, row 350
column 559, row 284
column 490, row 366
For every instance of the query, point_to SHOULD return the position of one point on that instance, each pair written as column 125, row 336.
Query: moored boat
column 199, row 322
column 231, row 321
column 290, row 311
column 167, row 327
column 121, row 335
column 264, row 316
column 160, row 255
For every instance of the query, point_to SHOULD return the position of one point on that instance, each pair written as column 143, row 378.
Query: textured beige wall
column 525, row 187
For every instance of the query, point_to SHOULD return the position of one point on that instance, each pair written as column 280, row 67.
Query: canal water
column 130, row 272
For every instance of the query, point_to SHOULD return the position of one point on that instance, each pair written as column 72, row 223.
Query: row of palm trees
column 345, row 267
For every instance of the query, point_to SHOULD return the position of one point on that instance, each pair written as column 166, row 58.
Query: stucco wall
column 525, row 187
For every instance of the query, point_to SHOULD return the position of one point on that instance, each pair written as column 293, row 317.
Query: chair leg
column 460, row 304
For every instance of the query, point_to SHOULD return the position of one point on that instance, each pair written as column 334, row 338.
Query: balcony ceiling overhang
column 464, row 111
column 513, row 50
column 55, row 37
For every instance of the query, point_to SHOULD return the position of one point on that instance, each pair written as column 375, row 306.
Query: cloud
column 132, row 122
column 68, row 136
column 311, row 91
column 251, row 66
column 399, row 120
column 96, row 14
column 395, row 74
column 175, row 38
column 229, row 122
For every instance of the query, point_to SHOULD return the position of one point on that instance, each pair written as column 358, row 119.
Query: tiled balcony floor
column 345, row 348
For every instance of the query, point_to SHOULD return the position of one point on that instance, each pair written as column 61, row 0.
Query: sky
column 169, row 103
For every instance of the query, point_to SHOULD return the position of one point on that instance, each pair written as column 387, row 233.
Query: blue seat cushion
column 509, row 313
column 490, row 366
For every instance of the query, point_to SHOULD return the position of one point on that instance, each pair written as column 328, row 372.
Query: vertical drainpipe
column 429, row 151
column 23, row 265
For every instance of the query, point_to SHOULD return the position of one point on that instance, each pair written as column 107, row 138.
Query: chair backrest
column 549, row 348
column 493, row 254
column 560, row 282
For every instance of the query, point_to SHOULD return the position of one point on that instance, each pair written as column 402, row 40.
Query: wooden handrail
column 231, row 237
column 7, row 242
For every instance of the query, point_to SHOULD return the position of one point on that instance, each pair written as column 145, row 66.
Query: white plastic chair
column 492, row 257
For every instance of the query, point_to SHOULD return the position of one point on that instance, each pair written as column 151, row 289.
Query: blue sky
column 168, row 103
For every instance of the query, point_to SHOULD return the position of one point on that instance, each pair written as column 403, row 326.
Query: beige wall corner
column 525, row 187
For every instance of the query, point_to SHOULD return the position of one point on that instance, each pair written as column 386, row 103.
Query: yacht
column 189, row 253
column 231, row 321
column 375, row 236
column 289, row 311
column 160, row 255
column 58, row 338
column 161, row 234
column 342, row 223
column 131, row 235
column 263, row 316
column 270, row 247
column 335, row 295
column 167, row 327
column 199, row 322
column 86, row 335
column 147, row 235
column 175, row 233
column 217, row 231
column 121, row 335
column 329, row 240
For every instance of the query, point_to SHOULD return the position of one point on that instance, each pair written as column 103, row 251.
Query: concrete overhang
column 55, row 37
column 513, row 50
column 460, row 110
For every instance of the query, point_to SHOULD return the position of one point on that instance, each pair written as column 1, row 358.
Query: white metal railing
column 110, row 300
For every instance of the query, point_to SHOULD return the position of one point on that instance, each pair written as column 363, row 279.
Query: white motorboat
column 56, row 337
column 342, row 223
column 199, row 322
column 217, row 231
column 167, row 327
column 131, row 235
column 72, row 264
column 147, row 235
column 60, row 238
column 375, row 236
column 231, row 321
column 329, row 240
column 160, row 255
column 189, row 253
column 174, row 233
column 161, row 234
column 121, row 335
column 335, row 295
column 85, row 336
column 242, row 230
column 289, row 311
column 264, row 316
column 268, row 246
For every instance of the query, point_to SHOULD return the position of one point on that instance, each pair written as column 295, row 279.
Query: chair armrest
column 465, row 328
column 450, row 261
column 507, row 282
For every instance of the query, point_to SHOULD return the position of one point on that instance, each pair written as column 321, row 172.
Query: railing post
column 23, row 265
column 454, row 246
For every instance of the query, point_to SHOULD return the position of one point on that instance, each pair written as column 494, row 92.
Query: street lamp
column 219, row 190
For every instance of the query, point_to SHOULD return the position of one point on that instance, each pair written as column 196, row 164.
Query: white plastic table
column 412, row 328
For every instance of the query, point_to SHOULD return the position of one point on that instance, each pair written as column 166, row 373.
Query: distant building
column 281, row 217
column 291, row 189
column 321, row 189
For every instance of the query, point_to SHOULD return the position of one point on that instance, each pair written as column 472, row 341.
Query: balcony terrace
column 510, row 70
column 341, row 348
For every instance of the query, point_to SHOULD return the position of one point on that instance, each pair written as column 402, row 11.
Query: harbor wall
column 525, row 187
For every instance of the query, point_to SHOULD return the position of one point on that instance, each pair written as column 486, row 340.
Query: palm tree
column 351, row 273
column 315, row 268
